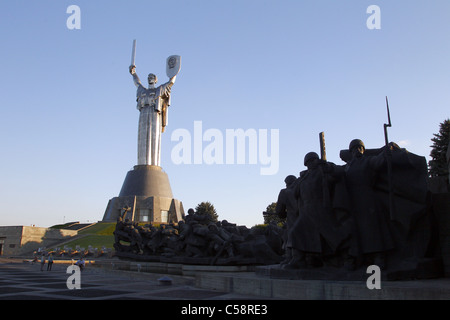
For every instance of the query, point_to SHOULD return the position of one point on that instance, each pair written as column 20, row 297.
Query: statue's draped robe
column 287, row 208
column 152, row 104
column 316, row 229
column 373, row 232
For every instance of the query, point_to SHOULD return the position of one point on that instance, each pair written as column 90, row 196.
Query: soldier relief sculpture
column 374, row 210
column 197, row 240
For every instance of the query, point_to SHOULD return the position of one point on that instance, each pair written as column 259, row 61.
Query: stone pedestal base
column 147, row 191
column 419, row 269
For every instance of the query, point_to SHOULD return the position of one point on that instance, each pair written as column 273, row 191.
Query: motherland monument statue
column 153, row 103
column 146, row 188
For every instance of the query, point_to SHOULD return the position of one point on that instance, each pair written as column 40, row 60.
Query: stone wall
column 10, row 239
column 17, row 240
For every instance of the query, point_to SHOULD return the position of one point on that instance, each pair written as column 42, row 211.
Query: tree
column 207, row 208
column 270, row 215
column 438, row 166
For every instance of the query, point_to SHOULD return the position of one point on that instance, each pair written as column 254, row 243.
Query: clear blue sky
column 68, row 122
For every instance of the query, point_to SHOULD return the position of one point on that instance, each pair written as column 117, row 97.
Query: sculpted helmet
column 310, row 156
column 356, row 143
column 289, row 179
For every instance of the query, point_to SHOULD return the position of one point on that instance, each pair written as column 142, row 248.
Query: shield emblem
column 173, row 66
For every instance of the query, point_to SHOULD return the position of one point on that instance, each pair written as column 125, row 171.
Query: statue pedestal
column 147, row 191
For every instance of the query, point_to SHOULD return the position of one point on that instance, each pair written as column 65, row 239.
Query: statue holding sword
column 153, row 102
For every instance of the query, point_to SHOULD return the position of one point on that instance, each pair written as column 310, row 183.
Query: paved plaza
column 22, row 280
column 25, row 281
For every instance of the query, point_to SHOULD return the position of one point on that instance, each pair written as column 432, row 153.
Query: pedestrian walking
column 50, row 262
column 42, row 261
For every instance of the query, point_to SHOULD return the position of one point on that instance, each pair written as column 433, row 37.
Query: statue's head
column 152, row 79
column 290, row 179
column 310, row 158
column 357, row 147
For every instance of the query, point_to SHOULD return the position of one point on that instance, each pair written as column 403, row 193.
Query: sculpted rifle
column 323, row 157
column 389, row 163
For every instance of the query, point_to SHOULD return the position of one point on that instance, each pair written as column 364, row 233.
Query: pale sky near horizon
column 69, row 121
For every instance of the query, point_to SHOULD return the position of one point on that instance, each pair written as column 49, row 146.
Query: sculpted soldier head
column 290, row 179
column 357, row 147
column 309, row 157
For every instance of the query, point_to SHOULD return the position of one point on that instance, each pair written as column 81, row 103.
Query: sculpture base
column 420, row 269
column 146, row 181
column 146, row 190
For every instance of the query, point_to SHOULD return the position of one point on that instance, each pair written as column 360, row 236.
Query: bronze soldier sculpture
column 287, row 208
column 372, row 224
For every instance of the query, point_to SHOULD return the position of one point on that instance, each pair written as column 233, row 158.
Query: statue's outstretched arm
column 167, row 87
column 137, row 81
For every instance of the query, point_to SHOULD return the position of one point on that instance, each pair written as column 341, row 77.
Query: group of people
column 334, row 215
column 198, row 236
column 48, row 258
column 49, row 261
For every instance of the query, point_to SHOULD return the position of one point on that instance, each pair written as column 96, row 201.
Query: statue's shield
column 173, row 66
